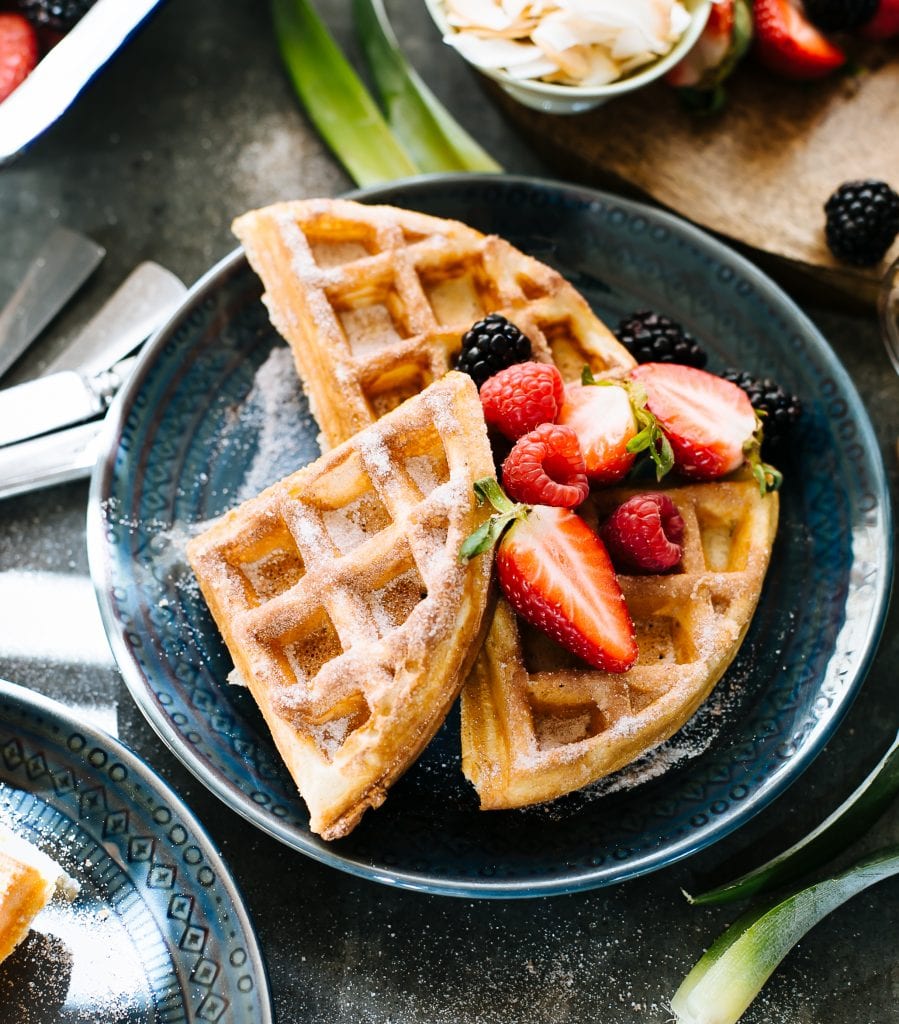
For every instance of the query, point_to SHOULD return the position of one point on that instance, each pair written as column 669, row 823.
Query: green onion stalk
column 436, row 141
column 418, row 134
column 725, row 981
column 837, row 832
column 337, row 102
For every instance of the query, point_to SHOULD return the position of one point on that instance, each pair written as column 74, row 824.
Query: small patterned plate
column 213, row 414
column 158, row 931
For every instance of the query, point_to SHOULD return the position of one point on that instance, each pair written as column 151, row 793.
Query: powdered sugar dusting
column 369, row 328
column 79, row 960
column 569, row 960
column 693, row 740
column 293, row 238
column 274, row 413
column 303, row 527
column 330, row 736
column 442, row 412
column 374, row 452
column 354, row 524
column 421, row 469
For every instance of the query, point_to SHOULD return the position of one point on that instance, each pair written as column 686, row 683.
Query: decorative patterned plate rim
column 58, row 713
column 572, row 881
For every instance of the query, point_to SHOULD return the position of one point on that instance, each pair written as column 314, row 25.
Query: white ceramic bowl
column 573, row 99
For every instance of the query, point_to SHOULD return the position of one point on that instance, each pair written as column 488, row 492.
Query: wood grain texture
column 759, row 171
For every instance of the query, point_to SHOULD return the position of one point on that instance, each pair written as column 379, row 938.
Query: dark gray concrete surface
column 191, row 124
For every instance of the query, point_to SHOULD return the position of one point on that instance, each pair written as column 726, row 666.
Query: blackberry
column 781, row 409
column 862, row 221
column 491, row 345
column 840, row 15
column 653, row 338
column 56, row 14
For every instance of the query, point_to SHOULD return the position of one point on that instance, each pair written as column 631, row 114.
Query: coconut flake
column 575, row 42
column 493, row 53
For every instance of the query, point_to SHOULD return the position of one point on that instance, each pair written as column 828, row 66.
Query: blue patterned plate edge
column 198, row 848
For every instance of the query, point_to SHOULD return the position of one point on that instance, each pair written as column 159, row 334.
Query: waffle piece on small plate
column 374, row 301
column 537, row 723
column 344, row 605
column 28, row 881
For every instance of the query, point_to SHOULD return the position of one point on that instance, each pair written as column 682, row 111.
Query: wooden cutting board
column 758, row 172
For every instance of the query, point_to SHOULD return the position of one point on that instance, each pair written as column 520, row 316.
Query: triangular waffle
column 537, row 723
column 342, row 600
column 374, row 301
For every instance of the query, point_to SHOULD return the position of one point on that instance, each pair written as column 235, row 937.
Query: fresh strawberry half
column 604, row 422
column 718, row 50
column 709, row 422
column 885, row 23
column 18, row 52
column 787, row 43
column 649, row 436
column 709, row 50
column 557, row 575
column 700, row 76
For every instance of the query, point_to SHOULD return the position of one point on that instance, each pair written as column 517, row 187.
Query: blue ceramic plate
column 213, row 414
column 158, row 931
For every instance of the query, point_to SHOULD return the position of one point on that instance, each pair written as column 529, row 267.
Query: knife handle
column 48, row 460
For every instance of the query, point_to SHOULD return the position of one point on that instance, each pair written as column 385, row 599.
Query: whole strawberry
column 18, row 52
column 557, row 575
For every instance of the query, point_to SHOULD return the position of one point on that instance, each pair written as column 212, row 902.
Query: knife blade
column 62, row 265
column 57, row 400
column 52, row 459
column 143, row 302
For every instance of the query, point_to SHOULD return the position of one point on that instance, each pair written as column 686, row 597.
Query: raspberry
column 546, row 467
column 521, row 397
column 644, row 534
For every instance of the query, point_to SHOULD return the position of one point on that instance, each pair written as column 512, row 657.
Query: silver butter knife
column 51, row 459
column 144, row 300
column 62, row 265
column 48, row 403
column 82, row 381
